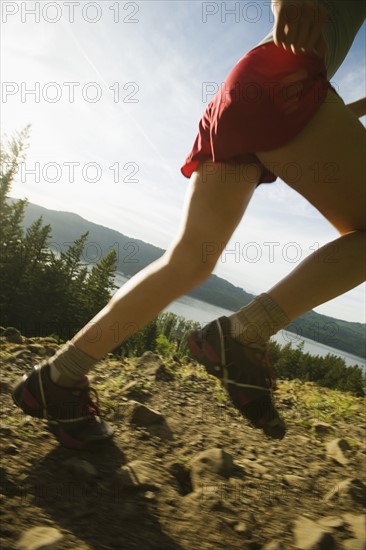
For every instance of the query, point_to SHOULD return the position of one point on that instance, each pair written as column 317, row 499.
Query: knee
column 192, row 261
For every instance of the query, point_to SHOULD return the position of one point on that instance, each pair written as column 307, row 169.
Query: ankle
column 69, row 365
column 59, row 378
column 258, row 321
column 248, row 334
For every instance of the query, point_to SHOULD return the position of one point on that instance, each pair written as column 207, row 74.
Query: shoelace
column 91, row 406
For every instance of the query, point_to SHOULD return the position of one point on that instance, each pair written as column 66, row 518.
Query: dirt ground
column 244, row 492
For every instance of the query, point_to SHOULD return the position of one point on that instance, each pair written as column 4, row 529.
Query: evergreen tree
column 11, row 216
column 150, row 336
column 33, row 256
column 42, row 293
column 100, row 282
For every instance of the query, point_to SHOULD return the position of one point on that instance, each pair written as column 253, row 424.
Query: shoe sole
column 66, row 440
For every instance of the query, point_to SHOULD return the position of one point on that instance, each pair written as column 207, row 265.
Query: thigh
column 325, row 163
column 216, row 199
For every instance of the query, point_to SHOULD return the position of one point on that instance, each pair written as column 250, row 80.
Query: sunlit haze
column 114, row 92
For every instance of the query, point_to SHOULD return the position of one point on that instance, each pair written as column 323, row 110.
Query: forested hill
column 134, row 254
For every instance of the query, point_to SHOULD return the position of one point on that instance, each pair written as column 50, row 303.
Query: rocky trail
column 184, row 471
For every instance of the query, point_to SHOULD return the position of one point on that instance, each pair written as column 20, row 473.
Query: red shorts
column 265, row 101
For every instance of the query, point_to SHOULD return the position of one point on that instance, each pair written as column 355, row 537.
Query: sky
column 114, row 92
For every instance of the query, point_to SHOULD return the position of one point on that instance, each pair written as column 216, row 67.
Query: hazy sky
column 115, row 91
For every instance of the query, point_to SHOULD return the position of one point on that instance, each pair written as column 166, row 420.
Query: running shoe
column 244, row 371
column 72, row 415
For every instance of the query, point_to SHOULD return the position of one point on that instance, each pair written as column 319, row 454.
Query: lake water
column 203, row 312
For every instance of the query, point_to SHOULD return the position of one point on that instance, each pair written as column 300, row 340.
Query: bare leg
column 329, row 155
column 216, row 200
column 334, row 269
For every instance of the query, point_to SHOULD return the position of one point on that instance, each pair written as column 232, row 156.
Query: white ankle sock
column 69, row 365
column 258, row 321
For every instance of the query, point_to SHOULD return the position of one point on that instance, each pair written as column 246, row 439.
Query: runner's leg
column 216, row 200
column 334, row 144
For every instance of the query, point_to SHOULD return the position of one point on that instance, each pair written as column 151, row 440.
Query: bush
column 164, row 347
column 329, row 371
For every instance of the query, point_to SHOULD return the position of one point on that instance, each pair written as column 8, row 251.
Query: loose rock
column 336, row 449
column 243, row 529
column 259, row 468
column 357, row 524
column 21, row 354
column 164, row 373
column 331, row 521
column 149, row 361
column 322, row 428
column 37, row 348
column 294, row 481
column 50, row 340
column 40, row 538
column 13, row 335
column 353, row 489
column 310, row 536
column 11, row 449
column 210, row 465
column 139, row 474
column 141, row 415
